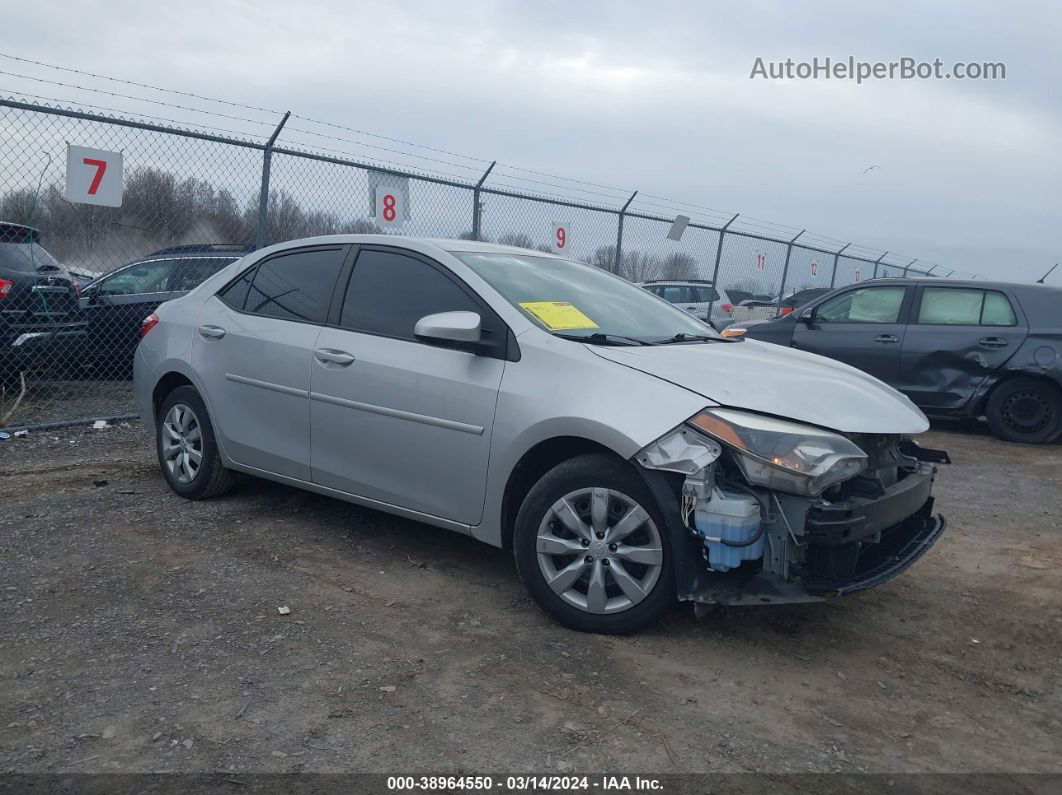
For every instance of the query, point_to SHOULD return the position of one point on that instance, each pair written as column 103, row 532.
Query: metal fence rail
column 188, row 188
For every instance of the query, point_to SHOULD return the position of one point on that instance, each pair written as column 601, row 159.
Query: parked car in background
column 115, row 305
column 40, row 324
column 627, row 454
column 700, row 298
column 798, row 298
column 956, row 348
column 759, row 307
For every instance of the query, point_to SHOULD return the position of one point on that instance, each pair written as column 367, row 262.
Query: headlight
column 783, row 455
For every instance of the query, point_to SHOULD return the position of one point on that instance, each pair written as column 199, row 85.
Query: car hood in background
column 781, row 381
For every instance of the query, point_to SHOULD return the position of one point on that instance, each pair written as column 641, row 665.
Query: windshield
column 572, row 299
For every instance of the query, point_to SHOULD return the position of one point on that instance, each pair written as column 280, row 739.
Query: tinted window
column 388, row 293
column 296, row 286
column 190, row 273
column 235, row 295
column 865, row 305
column 144, row 277
column 950, row 306
column 703, row 295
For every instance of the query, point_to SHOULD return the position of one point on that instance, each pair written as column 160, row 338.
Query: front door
column 863, row 327
column 252, row 347
column 396, row 419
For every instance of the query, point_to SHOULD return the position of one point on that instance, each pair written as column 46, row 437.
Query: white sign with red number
column 562, row 239
column 390, row 205
column 93, row 176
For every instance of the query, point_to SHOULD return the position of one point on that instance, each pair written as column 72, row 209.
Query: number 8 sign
column 561, row 236
column 93, row 176
column 390, row 206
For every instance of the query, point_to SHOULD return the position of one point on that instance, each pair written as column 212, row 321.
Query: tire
column 1025, row 410
column 600, row 584
column 183, row 423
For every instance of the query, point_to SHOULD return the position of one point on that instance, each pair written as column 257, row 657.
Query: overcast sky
column 648, row 96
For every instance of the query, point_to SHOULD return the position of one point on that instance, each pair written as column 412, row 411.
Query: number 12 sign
column 561, row 236
column 93, row 176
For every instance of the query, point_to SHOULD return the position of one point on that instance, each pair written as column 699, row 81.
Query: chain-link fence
column 76, row 279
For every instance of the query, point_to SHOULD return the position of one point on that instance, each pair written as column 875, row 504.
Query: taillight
column 786, row 310
column 148, row 323
column 77, row 289
column 728, row 308
column 5, row 287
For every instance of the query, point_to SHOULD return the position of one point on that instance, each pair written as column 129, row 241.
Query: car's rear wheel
column 592, row 547
column 187, row 449
column 1025, row 410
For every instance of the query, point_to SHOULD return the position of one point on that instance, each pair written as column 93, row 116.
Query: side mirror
column 461, row 327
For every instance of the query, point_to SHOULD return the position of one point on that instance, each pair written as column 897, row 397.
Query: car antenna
column 1041, row 279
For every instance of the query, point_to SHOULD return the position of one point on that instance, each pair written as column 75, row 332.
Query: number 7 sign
column 93, row 176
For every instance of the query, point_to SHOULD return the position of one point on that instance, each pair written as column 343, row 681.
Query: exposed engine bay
column 768, row 545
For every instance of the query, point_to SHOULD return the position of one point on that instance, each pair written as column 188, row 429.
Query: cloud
column 655, row 97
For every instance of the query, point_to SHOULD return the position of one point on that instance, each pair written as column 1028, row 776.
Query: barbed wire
column 745, row 222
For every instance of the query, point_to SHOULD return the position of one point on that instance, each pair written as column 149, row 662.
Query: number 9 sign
column 561, row 236
column 93, row 176
column 390, row 206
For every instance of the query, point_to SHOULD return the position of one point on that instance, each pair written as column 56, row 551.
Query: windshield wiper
column 598, row 338
column 683, row 337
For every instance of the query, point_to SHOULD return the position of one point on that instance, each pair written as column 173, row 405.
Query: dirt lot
column 141, row 633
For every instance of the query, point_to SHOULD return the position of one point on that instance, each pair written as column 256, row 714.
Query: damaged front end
column 763, row 510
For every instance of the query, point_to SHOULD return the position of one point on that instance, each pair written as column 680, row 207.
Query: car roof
column 1017, row 287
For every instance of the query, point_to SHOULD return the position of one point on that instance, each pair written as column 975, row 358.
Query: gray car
column 626, row 453
column 957, row 349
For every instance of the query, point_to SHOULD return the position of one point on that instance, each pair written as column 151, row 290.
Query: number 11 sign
column 93, row 176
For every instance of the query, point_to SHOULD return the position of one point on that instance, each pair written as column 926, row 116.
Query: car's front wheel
column 187, row 449
column 1025, row 410
column 592, row 547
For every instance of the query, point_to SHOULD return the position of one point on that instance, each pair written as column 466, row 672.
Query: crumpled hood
column 760, row 376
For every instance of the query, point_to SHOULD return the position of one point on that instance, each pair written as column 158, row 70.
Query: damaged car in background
column 624, row 451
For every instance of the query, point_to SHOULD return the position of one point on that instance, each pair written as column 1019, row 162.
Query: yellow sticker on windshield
column 558, row 315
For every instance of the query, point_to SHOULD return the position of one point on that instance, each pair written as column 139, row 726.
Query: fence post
column 876, row 262
column 836, row 256
column 785, row 270
column 476, row 206
column 263, row 197
column 718, row 258
column 619, row 235
column 908, row 266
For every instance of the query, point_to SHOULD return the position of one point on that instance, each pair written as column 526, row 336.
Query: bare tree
column 678, row 265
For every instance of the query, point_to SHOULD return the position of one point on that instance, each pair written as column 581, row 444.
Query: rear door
column 863, row 327
column 958, row 336
column 252, row 349
column 394, row 418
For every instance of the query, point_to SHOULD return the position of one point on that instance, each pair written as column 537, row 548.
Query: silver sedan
column 627, row 454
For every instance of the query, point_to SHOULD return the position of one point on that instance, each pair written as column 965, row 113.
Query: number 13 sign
column 93, row 176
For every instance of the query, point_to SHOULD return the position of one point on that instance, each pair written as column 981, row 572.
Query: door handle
column 211, row 332
column 992, row 343
column 329, row 356
column 886, row 339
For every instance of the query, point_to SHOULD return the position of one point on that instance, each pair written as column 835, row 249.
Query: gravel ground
column 141, row 633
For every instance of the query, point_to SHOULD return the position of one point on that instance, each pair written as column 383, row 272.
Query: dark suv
column 955, row 348
column 40, row 323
